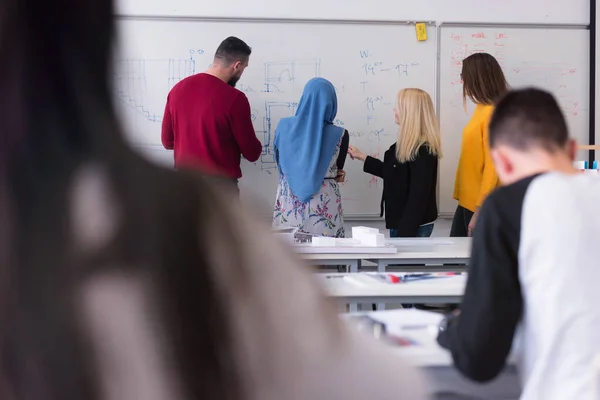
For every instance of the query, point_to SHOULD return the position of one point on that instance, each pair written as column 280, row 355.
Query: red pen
column 405, row 278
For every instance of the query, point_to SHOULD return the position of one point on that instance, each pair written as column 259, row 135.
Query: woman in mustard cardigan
column 484, row 83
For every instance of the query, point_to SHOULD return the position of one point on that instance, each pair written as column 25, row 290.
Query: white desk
column 354, row 261
column 421, row 326
column 359, row 288
column 412, row 252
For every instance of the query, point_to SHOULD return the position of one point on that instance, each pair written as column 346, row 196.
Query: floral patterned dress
column 322, row 215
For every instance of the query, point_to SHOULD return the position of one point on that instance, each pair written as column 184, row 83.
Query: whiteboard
column 474, row 11
column 367, row 63
column 554, row 59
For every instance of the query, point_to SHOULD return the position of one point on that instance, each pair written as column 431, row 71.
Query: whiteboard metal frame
column 593, row 83
column 438, row 103
column 131, row 17
column 513, row 26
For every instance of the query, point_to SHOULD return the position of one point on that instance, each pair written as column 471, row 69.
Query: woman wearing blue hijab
column 311, row 152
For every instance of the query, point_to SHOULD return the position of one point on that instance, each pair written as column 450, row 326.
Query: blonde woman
column 409, row 167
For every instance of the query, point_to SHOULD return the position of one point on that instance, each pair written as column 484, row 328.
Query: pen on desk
column 334, row 276
column 414, row 327
column 418, row 275
column 414, row 277
column 391, row 278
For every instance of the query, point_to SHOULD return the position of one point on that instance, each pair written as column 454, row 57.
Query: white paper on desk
column 333, row 281
column 425, row 352
column 407, row 318
column 420, row 242
column 385, row 277
column 350, row 242
column 418, row 326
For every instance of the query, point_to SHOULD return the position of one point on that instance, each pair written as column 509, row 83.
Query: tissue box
column 377, row 240
column 368, row 236
column 361, row 230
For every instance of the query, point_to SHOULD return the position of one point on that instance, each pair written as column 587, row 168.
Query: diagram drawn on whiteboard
column 138, row 81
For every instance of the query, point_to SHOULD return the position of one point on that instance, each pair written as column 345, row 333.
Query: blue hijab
column 307, row 142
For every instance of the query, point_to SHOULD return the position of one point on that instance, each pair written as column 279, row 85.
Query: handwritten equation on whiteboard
column 142, row 86
column 558, row 77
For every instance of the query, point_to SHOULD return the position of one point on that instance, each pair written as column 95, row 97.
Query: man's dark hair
column 232, row 50
column 529, row 118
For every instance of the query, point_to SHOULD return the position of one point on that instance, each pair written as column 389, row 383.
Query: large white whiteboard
column 368, row 64
column 554, row 59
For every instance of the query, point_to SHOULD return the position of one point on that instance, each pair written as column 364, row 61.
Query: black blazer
column 409, row 189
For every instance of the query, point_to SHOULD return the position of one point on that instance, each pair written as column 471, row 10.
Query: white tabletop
column 408, row 249
column 359, row 287
column 422, row 328
column 428, row 248
column 419, row 326
column 335, row 256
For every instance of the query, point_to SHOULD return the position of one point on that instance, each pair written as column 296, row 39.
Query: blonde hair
column 418, row 125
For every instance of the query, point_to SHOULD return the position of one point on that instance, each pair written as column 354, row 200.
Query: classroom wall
column 507, row 11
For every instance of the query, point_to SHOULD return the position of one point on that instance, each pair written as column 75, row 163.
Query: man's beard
column 233, row 81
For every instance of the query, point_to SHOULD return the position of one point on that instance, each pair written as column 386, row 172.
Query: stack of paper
column 368, row 236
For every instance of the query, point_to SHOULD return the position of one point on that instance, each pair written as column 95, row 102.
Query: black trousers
column 460, row 223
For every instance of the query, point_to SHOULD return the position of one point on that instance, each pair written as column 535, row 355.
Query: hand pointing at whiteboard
column 356, row 154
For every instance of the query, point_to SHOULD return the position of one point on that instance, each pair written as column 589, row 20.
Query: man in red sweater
column 207, row 121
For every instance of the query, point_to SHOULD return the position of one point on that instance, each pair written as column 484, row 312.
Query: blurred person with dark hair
column 122, row 280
